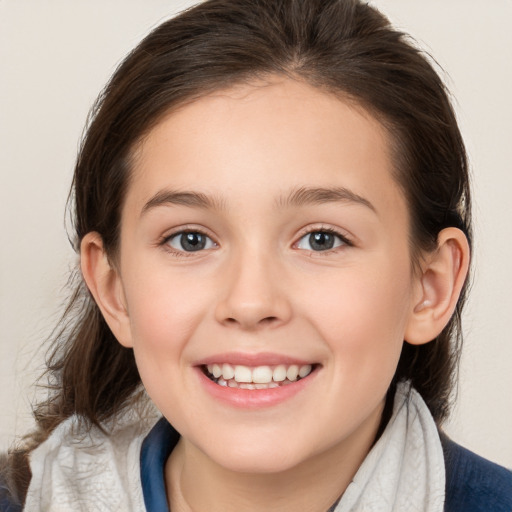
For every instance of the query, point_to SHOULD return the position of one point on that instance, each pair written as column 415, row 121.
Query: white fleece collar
column 404, row 471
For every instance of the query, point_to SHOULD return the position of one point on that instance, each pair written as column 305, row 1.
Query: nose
column 253, row 296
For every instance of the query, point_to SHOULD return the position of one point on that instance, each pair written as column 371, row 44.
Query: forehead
column 261, row 140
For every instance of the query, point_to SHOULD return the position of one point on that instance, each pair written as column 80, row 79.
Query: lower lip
column 254, row 398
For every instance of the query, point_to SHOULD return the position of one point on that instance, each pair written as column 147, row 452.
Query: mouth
column 256, row 377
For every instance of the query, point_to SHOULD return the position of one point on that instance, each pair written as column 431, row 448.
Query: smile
column 257, row 377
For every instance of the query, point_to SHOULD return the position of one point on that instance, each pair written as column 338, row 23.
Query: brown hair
column 343, row 47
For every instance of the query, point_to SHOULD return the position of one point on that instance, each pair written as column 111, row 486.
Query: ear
column 442, row 277
column 105, row 285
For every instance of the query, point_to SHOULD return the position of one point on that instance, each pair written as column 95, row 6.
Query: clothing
column 8, row 503
column 82, row 471
column 474, row 484
column 404, row 471
column 71, row 468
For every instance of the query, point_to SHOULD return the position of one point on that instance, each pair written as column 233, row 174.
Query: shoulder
column 474, row 484
column 9, row 501
column 77, row 464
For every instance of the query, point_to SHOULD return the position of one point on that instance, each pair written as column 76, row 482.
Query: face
column 265, row 269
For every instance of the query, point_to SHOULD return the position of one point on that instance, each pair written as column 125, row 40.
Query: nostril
column 263, row 321
column 268, row 320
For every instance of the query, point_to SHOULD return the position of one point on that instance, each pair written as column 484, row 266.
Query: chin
column 253, row 456
column 258, row 464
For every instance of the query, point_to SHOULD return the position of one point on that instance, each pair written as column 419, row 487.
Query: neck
column 195, row 483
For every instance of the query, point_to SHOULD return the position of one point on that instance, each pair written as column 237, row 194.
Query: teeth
column 262, row 375
column 216, row 371
column 293, row 372
column 259, row 377
column 279, row 373
column 243, row 374
column 227, row 371
column 305, row 370
column 249, row 385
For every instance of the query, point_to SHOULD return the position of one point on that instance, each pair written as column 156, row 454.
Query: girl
column 272, row 211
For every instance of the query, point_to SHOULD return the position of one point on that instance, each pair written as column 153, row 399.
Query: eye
column 190, row 241
column 321, row 240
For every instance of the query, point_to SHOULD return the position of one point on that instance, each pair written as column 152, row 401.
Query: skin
column 258, row 287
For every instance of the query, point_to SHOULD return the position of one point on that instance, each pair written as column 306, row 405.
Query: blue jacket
column 474, row 484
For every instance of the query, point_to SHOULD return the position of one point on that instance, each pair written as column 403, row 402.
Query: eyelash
column 346, row 242
column 164, row 242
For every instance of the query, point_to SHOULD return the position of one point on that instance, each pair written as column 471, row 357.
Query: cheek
column 362, row 316
column 363, row 326
column 163, row 319
column 164, row 312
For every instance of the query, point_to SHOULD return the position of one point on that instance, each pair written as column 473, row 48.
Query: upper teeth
column 259, row 374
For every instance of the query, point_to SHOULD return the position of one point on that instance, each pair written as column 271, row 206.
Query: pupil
column 192, row 241
column 321, row 241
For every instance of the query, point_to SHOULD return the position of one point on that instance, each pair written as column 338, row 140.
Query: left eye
column 190, row 241
column 320, row 241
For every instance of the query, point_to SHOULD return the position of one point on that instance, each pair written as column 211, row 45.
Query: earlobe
column 439, row 286
column 105, row 285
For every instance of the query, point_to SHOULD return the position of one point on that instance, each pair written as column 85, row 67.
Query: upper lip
column 252, row 359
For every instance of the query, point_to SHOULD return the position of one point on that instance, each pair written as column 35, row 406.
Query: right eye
column 190, row 241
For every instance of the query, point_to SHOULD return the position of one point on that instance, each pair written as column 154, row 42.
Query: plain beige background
column 55, row 55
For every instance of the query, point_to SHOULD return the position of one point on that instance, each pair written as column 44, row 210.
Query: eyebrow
column 298, row 197
column 183, row 198
column 303, row 196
